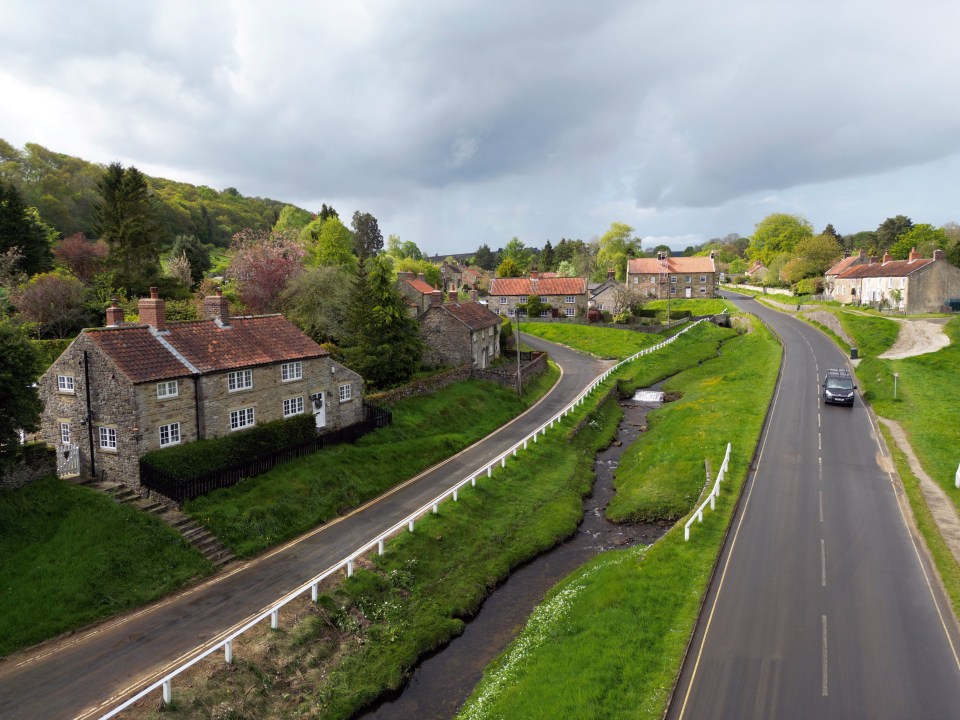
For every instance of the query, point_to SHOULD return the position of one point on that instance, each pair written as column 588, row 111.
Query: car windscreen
column 839, row 384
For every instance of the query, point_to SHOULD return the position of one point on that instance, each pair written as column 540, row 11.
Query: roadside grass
column 600, row 342
column 263, row 511
column 943, row 559
column 367, row 632
column 70, row 556
column 613, row 634
column 874, row 335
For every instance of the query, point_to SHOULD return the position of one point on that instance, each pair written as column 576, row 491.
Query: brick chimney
column 436, row 298
column 873, row 259
column 939, row 254
column 153, row 311
column 420, row 277
column 114, row 314
column 534, row 274
column 887, row 257
column 216, row 307
column 914, row 255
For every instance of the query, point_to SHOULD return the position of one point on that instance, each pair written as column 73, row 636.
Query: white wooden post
column 274, row 619
column 435, row 509
column 349, row 568
column 228, row 652
column 489, row 470
column 167, row 692
column 957, row 479
column 314, row 592
column 380, row 546
column 473, row 481
column 455, row 495
column 410, row 525
column 686, row 533
column 524, row 444
column 503, row 462
column 514, row 452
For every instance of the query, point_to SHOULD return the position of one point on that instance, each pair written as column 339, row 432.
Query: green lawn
column 873, row 334
column 575, row 639
column 70, row 556
column 261, row 512
column 597, row 341
column 707, row 306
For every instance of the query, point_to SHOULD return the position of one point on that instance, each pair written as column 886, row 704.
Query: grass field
column 613, row 634
column 873, row 334
column 70, row 556
column 707, row 306
column 261, row 512
column 601, row 342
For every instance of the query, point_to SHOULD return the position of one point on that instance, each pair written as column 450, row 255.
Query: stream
column 444, row 680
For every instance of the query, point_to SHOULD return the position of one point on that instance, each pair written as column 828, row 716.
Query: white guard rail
column 226, row 643
column 711, row 498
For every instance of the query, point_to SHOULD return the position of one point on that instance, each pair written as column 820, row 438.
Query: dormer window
column 167, row 389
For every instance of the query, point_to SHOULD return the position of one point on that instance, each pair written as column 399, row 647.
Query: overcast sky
column 462, row 122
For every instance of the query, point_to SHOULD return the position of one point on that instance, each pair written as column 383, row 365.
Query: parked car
column 838, row 387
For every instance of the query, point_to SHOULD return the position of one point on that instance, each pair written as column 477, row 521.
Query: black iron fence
column 180, row 489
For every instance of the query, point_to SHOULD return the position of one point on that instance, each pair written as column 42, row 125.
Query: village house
column 564, row 296
column 847, row 262
column 418, row 292
column 460, row 333
column 914, row 285
column 756, row 271
column 121, row 391
column 603, row 295
column 673, row 277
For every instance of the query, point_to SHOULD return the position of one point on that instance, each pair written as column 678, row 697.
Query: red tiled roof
column 846, row 263
column 419, row 285
column 472, row 314
column 893, row 268
column 138, row 353
column 246, row 342
column 651, row 266
column 541, row 286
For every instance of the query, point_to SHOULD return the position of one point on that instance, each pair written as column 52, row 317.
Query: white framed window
column 689, row 279
column 65, row 384
column 522, row 312
column 636, row 279
column 346, row 392
column 293, row 406
column 108, row 438
column 240, row 380
column 510, row 312
column 703, row 291
column 673, row 278
column 673, row 291
column 291, row 371
column 653, row 279
column 569, row 299
column 170, row 434
column 65, row 433
column 570, row 312
column 167, row 389
column 544, row 299
column 544, row 313
column 243, row 418
column 491, row 331
column 503, row 300
column 703, row 278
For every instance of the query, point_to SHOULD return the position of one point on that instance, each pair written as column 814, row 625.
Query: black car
column 838, row 387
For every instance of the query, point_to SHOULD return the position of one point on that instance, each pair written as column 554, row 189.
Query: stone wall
column 424, row 386
column 506, row 374
column 35, row 462
column 447, row 339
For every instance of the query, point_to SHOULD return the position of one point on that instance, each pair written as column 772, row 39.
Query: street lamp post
column 895, row 376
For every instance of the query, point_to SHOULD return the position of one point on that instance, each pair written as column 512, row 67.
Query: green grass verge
column 597, row 341
column 261, row 512
column 873, row 335
column 652, row 596
column 70, row 556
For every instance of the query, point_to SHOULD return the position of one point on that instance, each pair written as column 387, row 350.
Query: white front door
column 689, row 292
column 319, row 403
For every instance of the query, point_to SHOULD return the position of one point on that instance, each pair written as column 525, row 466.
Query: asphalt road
column 824, row 604
column 88, row 674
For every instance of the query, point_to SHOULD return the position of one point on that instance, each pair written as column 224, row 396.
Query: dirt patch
column 917, row 337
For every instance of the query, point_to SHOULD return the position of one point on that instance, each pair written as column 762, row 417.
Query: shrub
column 809, row 286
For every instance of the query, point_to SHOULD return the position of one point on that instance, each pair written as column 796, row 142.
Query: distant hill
column 64, row 189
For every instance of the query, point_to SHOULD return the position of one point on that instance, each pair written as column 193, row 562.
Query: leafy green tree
column 890, row 231
column 381, row 341
column 316, row 301
column 777, row 233
column 127, row 222
column 367, row 238
column 509, row 268
column 196, row 253
column 566, row 249
column 20, row 404
column 820, row 252
column 829, row 230
column 565, row 269
column 545, row 259
column 616, row 246
column 329, row 243
column 485, row 258
column 327, row 212
column 431, row 273
column 517, row 251
column 21, row 227
column 292, row 218
column 924, row 237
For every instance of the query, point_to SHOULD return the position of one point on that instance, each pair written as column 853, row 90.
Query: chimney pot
column 217, row 307
column 914, row 255
column 887, row 257
column 114, row 314
column 939, row 254
column 152, row 311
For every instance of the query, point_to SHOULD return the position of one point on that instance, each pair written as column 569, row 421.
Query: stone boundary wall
column 761, row 289
column 38, row 463
column 507, row 374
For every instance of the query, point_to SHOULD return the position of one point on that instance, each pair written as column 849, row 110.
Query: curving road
column 824, row 604
column 88, row 674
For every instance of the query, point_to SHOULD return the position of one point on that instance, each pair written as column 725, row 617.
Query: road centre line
column 821, row 505
column 823, row 564
column 823, row 686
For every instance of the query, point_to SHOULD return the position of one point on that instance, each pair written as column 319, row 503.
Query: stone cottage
column 673, row 277
column 460, row 333
column 121, row 391
column 563, row 296
column 914, row 285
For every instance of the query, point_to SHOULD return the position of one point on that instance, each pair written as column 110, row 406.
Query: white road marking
column 823, row 562
column 819, row 441
column 823, row 689
column 821, row 506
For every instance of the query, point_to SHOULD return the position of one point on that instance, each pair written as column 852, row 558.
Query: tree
column 626, row 299
column 178, row 268
column 127, row 221
column 509, row 268
column 431, row 273
column 890, row 230
column 381, row 340
column 820, row 252
column 616, row 246
column 55, row 302
column 20, row 404
column 21, row 227
column 329, row 243
column 777, row 233
column 485, row 258
column 565, row 269
column 405, row 249
column 829, row 230
column 263, row 264
column 924, row 237
column 316, row 301
column 367, row 238
column 545, row 259
column 80, row 256
column 327, row 212
column 292, row 218
column 198, row 256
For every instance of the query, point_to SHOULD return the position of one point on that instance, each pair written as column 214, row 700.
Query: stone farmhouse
column 673, row 277
column 914, row 285
column 603, row 295
column 566, row 296
column 849, row 261
column 418, row 292
column 460, row 333
column 121, row 391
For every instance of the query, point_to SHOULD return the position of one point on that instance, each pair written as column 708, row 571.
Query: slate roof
column 893, row 268
column 539, row 286
column 247, row 342
column 472, row 314
column 651, row 266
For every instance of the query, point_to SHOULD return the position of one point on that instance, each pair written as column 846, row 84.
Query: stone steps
column 201, row 538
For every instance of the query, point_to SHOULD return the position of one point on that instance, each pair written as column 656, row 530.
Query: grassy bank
column 874, row 335
column 71, row 556
column 696, row 306
column 261, row 512
column 576, row 639
column 601, row 342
